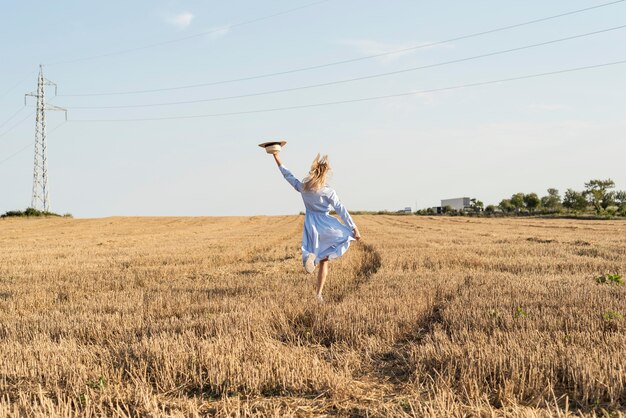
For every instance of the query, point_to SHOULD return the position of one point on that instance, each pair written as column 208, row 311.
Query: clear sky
column 486, row 142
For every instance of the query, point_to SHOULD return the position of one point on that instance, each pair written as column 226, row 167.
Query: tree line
column 598, row 197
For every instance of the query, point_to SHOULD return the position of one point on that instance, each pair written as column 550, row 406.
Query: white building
column 459, row 203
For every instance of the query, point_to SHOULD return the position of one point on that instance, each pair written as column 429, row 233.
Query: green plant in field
column 405, row 405
column 520, row 313
column 98, row 384
column 610, row 278
column 612, row 316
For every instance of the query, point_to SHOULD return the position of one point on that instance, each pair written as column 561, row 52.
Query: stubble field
column 215, row 316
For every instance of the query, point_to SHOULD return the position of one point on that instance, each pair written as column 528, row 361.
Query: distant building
column 459, row 203
column 405, row 210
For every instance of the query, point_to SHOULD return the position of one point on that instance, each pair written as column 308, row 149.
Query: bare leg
column 321, row 276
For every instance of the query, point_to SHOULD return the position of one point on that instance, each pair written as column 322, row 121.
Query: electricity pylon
column 41, row 193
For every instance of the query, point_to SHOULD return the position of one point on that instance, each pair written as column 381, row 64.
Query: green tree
column 599, row 195
column 552, row 201
column 505, row 205
column 490, row 209
column 620, row 201
column 574, row 200
column 476, row 205
column 531, row 201
column 517, row 200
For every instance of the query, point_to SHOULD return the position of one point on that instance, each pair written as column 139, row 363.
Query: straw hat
column 273, row 147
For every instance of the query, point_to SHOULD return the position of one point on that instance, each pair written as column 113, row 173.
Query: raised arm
column 288, row 175
column 277, row 159
column 343, row 214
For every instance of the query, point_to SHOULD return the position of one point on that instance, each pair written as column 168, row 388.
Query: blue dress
column 323, row 234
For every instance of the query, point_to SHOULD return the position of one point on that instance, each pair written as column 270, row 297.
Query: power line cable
column 17, row 84
column 12, row 116
column 197, row 35
column 17, row 152
column 22, row 120
column 314, row 67
column 17, row 124
column 364, row 99
column 332, row 83
column 29, row 145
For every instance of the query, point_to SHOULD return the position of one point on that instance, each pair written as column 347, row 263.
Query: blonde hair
column 317, row 174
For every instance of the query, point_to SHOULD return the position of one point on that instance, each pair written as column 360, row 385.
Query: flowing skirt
column 325, row 236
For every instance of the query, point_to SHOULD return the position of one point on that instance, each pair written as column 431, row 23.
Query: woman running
column 324, row 237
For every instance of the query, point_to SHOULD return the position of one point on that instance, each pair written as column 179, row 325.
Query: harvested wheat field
column 215, row 316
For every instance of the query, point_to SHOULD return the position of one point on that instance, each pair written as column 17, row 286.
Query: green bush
column 31, row 212
column 12, row 213
column 610, row 278
column 612, row 316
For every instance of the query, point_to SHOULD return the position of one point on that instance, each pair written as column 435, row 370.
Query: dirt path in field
column 370, row 262
column 391, row 371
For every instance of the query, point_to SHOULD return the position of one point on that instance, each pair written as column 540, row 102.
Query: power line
column 171, row 41
column 16, row 84
column 314, row 67
column 364, row 99
column 331, row 83
column 29, row 145
column 17, row 152
column 12, row 116
column 17, row 124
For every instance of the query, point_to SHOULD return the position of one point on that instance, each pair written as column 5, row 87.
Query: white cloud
column 180, row 20
column 370, row 47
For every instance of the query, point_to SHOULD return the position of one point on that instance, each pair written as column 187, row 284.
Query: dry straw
column 215, row 316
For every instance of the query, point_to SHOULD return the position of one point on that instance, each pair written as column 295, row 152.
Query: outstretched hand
column 357, row 234
column 277, row 158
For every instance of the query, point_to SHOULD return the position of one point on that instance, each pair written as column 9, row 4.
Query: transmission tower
column 41, row 194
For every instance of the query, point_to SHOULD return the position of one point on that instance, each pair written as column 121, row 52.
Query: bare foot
column 309, row 265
